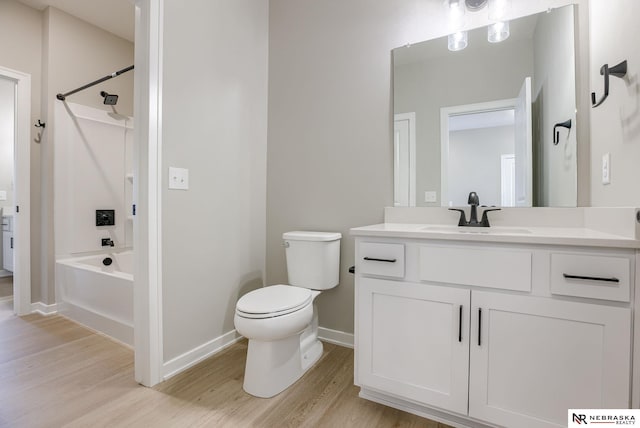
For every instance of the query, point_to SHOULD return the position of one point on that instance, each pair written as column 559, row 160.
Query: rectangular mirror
column 494, row 118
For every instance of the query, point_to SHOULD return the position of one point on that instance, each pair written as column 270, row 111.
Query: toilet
column 281, row 321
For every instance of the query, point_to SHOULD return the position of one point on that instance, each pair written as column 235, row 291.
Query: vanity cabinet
column 490, row 344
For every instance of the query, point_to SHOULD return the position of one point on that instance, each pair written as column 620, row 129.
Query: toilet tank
column 313, row 259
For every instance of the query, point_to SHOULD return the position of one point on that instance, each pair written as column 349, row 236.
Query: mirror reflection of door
column 404, row 160
column 486, row 148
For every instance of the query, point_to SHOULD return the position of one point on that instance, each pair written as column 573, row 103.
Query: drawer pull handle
column 479, row 326
column 460, row 325
column 373, row 259
column 590, row 278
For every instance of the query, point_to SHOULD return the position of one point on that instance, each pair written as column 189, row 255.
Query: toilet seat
column 273, row 301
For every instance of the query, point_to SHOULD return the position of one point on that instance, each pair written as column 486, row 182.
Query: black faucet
column 474, row 201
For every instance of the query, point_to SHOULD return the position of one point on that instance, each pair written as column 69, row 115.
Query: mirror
column 494, row 118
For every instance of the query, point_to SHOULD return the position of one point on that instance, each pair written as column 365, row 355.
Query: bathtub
column 98, row 296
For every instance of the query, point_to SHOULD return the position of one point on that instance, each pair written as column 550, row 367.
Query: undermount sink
column 496, row 230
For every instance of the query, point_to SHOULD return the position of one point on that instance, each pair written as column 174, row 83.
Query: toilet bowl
column 281, row 321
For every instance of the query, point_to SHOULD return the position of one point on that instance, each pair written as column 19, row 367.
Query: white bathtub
column 98, row 296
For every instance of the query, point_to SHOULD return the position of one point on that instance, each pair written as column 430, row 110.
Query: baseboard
column 5, row 273
column 202, row 352
column 336, row 337
column 44, row 309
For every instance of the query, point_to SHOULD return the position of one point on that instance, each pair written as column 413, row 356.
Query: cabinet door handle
column 460, row 325
column 590, row 278
column 479, row 326
column 12, row 242
column 373, row 259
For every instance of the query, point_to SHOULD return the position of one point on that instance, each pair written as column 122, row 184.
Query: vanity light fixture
column 458, row 41
column 456, row 11
column 499, row 9
column 497, row 32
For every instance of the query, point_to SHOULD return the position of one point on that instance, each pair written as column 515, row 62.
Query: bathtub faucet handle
column 107, row 242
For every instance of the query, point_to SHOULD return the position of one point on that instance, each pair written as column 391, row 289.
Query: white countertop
column 522, row 235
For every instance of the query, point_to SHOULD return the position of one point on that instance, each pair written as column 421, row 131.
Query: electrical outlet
column 606, row 168
column 430, row 196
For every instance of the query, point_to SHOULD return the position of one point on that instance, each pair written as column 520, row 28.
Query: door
column 404, row 160
column 523, row 146
column 19, row 97
column 532, row 359
column 413, row 341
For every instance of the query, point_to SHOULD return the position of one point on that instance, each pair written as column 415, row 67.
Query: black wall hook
column 40, row 124
column 556, row 134
column 619, row 70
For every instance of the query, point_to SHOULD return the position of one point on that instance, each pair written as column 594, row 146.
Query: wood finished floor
column 56, row 373
column 6, row 286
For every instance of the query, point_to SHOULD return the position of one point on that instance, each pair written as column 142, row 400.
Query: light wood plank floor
column 55, row 373
column 6, row 286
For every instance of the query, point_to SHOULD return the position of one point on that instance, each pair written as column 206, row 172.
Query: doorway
column 15, row 146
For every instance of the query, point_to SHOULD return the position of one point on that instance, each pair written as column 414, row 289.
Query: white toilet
column 281, row 321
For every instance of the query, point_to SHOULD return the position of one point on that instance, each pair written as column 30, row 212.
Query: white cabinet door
column 413, row 341
column 7, row 251
column 535, row 358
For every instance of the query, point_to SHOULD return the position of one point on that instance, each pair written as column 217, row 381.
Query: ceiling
column 114, row 16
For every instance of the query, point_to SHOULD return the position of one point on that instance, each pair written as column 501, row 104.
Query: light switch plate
column 178, row 178
column 3, row 195
column 606, row 168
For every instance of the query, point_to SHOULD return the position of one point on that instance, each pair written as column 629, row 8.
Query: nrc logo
column 579, row 419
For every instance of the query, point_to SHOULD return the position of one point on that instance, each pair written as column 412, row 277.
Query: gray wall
column 214, row 108
column 615, row 125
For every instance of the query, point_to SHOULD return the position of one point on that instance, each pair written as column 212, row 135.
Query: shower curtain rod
column 61, row 97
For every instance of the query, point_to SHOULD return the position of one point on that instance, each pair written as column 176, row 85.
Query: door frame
column 147, row 232
column 22, row 193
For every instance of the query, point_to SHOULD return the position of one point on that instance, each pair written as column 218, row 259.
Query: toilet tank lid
column 311, row 236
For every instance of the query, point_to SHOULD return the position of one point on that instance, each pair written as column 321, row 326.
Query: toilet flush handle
column 285, row 244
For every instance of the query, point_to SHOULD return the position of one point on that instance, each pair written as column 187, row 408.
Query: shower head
column 109, row 99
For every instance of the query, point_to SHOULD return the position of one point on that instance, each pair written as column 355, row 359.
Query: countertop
column 522, row 235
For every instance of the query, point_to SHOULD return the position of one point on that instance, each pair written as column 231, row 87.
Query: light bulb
column 498, row 32
column 457, row 41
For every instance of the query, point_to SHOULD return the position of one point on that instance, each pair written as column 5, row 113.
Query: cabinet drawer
column 483, row 267
column 593, row 276
column 382, row 259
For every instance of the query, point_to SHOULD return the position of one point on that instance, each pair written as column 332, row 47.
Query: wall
column 470, row 148
column 615, row 125
column 74, row 53
column 330, row 138
column 425, row 87
column 214, row 108
column 91, row 174
column 21, row 50
column 554, row 100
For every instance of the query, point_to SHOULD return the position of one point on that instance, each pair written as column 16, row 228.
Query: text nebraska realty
column 605, row 419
